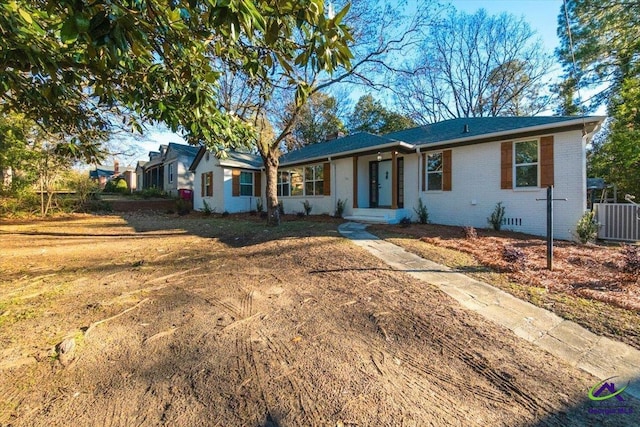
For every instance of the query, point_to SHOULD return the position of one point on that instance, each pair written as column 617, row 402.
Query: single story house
column 168, row 169
column 460, row 169
column 230, row 184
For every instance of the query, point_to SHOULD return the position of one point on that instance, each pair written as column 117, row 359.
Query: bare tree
column 381, row 34
column 475, row 65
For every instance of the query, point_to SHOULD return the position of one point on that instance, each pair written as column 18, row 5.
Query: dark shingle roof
column 358, row 141
column 184, row 150
column 477, row 126
column 100, row 172
column 236, row 159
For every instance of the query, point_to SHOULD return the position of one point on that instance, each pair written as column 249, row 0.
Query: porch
column 377, row 215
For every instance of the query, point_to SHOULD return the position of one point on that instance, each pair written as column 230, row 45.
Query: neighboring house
column 232, row 184
column 459, row 168
column 168, row 169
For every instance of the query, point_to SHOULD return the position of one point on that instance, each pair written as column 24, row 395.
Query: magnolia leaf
column 26, row 16
column 69, row 31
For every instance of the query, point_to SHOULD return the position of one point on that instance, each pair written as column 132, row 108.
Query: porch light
column 379, row 156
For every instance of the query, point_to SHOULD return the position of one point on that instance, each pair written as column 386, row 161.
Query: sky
column 541, row 15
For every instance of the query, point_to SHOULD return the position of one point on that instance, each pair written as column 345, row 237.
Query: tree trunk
column 271, row 169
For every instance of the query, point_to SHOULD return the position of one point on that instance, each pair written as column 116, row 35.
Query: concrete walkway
column 600, row 356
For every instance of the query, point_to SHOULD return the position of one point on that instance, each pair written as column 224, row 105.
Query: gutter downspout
column 418, row 174
column 334, row 187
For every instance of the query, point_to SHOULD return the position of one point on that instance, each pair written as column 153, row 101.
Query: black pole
column 550, row 227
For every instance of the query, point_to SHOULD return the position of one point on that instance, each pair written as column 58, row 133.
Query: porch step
column 377, row 215
column 371, row 219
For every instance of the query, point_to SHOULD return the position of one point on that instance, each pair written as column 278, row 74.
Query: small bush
column 307, row 207
column 497, row 216
column 281, row 207
column 470, row 233
column 340, row 206
column 422, row 212
column 152, row 192
column 405, row 222
column 225, row 214
column 301, row 214
column 182, row 207
column 515, row 257
column 207, row 210
column 631, row 257
column 587, row 227
column 259, row 205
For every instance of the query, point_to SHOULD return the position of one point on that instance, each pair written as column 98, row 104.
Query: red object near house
column 185, row 194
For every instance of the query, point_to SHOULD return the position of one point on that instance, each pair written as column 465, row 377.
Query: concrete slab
column 575, row 336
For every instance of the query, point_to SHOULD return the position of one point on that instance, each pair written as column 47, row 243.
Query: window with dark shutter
column 235, row 182
column 546, row 161
column 506, row 165
column 446, row 170
column 327, row 178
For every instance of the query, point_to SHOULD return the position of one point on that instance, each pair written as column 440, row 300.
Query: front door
column 380, row 184
column 384, row 184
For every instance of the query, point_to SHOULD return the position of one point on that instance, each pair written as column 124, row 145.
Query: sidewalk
column 600, row 356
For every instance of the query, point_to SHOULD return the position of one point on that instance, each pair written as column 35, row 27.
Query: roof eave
column 595, row 121
column 379, row 147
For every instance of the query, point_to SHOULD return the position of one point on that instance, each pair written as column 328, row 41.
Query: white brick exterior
column 476, row 190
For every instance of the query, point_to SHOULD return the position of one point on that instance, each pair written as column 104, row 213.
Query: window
column 526, row 163
column 283, row 184
column 304, row 181
column 313, row 180
column 434, row 172
column 246, row 183
column 207, row 179
column 170, row 172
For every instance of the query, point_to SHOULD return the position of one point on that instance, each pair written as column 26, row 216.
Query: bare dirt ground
column 191, row 321
column 588, row 284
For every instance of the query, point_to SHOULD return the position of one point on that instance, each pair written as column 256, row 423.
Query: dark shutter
column 506, row 166
column 203, row 181
column 446, row 170
column 326, row 179
column 424, row 171
column 257, row 184
column 546, row 161
column 210, row 188
column 235, row 182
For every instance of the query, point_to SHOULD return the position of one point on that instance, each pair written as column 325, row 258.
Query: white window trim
column 253, row 183
column 513, row 171
column 426, row 171
column 171, row 172
column 304, row 181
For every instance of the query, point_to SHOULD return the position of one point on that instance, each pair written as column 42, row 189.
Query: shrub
column 301, row 214
column 631, row 257
column 422, row 212
column 281, row 207
column 587, row 227
column 405, row 222
column 207, row 210
column 182, row 206
column 152, row 192
column 340, row 206
column 259, row 205
column 515, row 257
column 470, row 233
column 307, row 207
column 225, row 214
column 497, row 216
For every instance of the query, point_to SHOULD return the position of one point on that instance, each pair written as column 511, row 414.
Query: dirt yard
column 192, row 321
